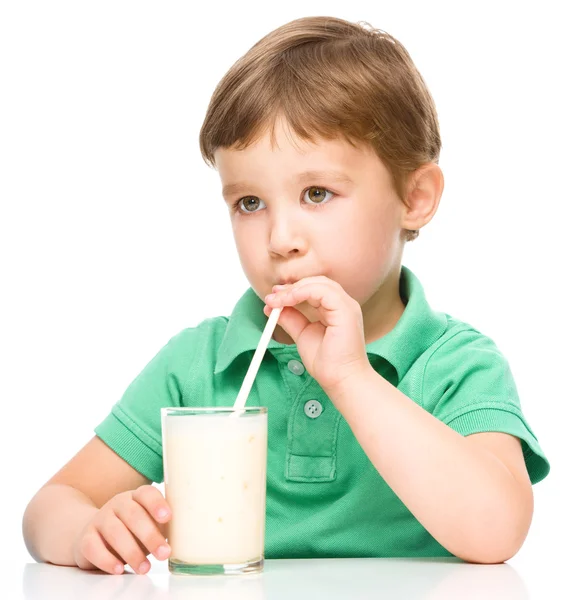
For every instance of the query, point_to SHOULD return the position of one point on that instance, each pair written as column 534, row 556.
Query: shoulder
column 198, row 338
column 462, row 339
column 195, row 345
column 468, row 366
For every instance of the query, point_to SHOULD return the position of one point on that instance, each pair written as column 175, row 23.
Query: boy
column 394, row 430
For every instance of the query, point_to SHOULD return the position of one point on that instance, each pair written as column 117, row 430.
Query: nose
column 286, row 236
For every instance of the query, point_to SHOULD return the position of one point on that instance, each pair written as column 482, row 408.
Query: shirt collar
column 418, row 327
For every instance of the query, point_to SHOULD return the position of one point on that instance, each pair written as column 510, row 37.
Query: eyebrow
column 232, row 188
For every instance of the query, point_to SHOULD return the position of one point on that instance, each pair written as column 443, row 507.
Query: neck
column 382, row 310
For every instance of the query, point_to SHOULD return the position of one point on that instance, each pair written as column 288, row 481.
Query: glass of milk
column 214, row 462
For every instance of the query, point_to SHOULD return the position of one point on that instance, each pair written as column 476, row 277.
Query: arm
column 62, row 507
column 52, row 521
column 457, row 487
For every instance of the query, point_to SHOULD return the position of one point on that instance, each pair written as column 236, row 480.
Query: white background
column 114, row 236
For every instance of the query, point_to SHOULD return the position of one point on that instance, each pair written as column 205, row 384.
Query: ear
column 424, row 190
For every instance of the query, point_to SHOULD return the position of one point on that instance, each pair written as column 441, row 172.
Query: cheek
column 362, row 234
column 244, row 240
column 252, row 257
column 365, row 251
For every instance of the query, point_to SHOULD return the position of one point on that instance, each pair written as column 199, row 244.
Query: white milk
column 215, row 484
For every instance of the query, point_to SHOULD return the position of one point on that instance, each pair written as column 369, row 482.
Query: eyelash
column 236, row 205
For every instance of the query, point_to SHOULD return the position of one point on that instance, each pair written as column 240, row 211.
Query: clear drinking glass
column 215, row 484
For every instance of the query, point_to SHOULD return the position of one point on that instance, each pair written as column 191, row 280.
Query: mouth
column 288, row 281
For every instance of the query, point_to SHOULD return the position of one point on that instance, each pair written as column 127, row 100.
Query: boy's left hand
column 333, row 348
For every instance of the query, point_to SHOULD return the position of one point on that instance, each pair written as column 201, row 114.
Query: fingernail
column 270, row 297
column 118, row 569
column 144, row 567
column 162, row 552
column 162, row 513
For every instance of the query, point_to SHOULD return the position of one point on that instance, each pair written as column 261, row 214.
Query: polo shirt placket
column 312, row 424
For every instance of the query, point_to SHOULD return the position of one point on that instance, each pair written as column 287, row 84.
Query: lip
column 288, row 280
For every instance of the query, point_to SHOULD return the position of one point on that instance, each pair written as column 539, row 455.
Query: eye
column 237, row 206
column 323, row 195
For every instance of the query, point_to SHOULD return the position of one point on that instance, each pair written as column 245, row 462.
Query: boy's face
column 349, row 231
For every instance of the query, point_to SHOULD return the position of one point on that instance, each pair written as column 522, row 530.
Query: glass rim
column 203, row 410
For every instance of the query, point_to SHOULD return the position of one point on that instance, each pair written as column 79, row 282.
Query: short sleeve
column 133, row 427
column 469, row 386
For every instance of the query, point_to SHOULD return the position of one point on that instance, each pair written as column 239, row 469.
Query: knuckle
column 145, row 494
column 137, row 494
column 112, row 530
column 115, row 502
column 123, row 496
column 132, row 513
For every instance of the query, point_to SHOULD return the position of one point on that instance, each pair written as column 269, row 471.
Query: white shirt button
column 313, row 409
column 296, row 367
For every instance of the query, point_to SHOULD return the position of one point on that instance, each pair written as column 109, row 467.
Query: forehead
column 284, row 148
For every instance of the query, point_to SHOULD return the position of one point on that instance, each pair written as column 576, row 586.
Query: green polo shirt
column 324, row 497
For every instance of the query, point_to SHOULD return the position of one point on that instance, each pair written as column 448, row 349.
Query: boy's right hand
column 125, row 531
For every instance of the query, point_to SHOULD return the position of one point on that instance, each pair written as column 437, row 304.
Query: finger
column 115, row 532
column 317, row 295
column 146, row 531
column 164, row 530
column 140, row 544
column 157, row 506
column 290, row 319
column 306, row 280
column 154, row 502
column 294, row 322
column 94, row 548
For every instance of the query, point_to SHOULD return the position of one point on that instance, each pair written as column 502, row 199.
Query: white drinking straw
column 256, row 359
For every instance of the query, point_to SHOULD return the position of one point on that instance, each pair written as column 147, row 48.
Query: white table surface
column 299, row 579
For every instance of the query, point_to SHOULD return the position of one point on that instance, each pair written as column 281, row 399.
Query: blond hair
column 328, row 78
